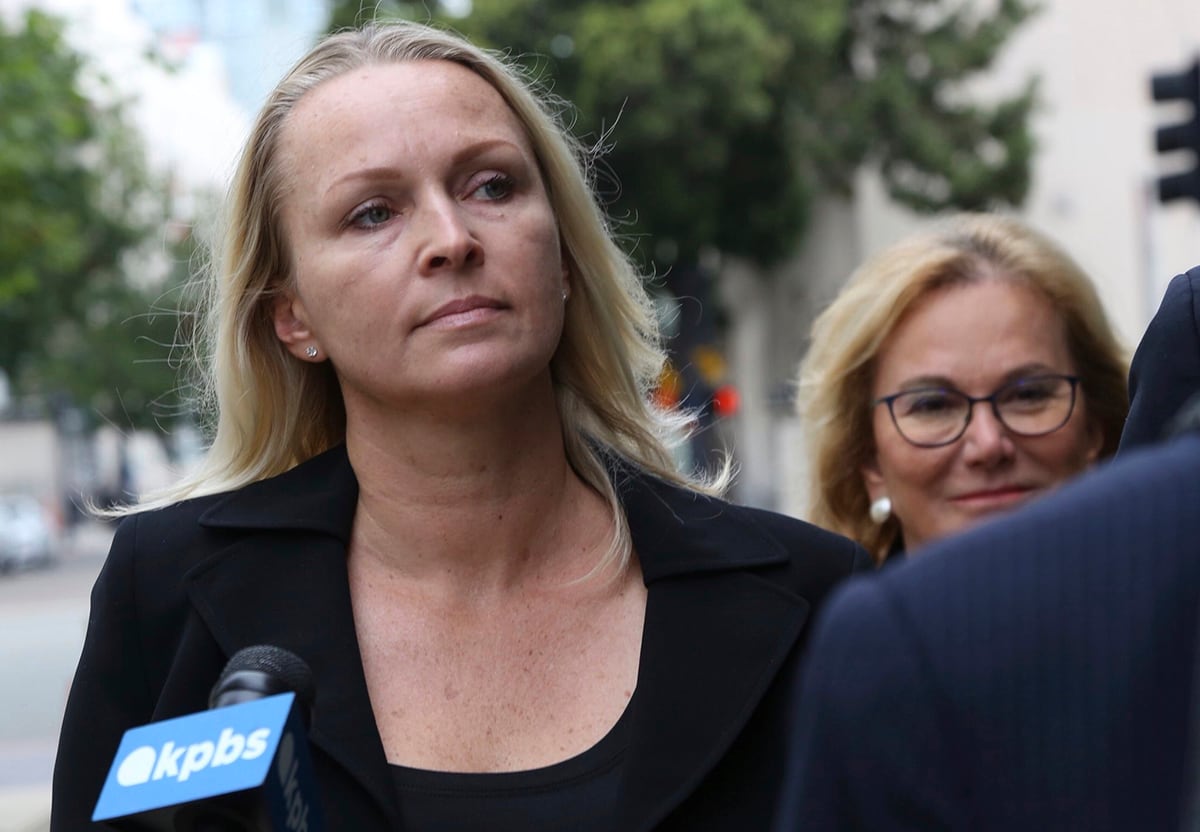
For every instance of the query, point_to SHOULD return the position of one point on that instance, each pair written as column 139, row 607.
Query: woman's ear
column 291, row 324
column 873, row 478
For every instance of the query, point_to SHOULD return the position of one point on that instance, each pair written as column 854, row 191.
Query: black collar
column 675, row 531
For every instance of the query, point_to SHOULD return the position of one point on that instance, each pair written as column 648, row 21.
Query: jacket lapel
column 716, row 636
column 284, row 583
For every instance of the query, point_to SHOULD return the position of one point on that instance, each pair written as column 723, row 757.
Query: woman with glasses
column 962, row 372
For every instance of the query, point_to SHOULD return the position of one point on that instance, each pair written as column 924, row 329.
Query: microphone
column 241, row 766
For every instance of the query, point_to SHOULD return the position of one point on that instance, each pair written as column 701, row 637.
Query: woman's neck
column 474, row 505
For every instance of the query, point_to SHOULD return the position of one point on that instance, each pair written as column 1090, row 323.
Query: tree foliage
column 77, row 206
column 905, row 71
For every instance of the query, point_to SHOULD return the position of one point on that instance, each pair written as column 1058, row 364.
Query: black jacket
column 731, row 591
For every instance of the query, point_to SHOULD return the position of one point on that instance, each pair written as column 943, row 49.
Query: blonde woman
column 960, row 373
column 437, row 477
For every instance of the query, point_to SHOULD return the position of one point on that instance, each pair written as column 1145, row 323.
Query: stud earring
column 310, row 351
column 881, row 510
column 566, row 294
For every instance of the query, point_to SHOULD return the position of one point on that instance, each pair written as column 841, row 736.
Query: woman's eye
column 494, row 188
column 930, row 401
column 925, row 404
column 1027, row 393
column 370, row 215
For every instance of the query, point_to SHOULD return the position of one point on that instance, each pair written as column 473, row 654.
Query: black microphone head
column 261, row 671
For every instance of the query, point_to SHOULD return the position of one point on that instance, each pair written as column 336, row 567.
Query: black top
column 577, row 794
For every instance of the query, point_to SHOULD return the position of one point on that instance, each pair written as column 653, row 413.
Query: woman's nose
column 986, row 440
column 447, row 240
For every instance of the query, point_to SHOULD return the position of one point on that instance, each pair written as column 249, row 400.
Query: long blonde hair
column 837, row 374
column 273, row 412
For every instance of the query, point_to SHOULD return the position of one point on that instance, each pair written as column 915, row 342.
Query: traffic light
column 1179, row 86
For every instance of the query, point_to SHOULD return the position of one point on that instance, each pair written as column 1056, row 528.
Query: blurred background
column 756, row 152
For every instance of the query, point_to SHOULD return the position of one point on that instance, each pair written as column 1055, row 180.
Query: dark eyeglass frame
column 974, row 400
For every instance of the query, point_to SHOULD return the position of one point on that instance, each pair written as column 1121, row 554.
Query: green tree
column 77, row 206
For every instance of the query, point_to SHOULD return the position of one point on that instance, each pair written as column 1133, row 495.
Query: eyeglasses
column 934, row 416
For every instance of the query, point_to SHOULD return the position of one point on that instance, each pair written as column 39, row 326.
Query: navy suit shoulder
column 1034, row 672
column 867, row 750
column 1165, row 371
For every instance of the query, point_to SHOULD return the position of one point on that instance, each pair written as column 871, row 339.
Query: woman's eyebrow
column 388, row 171
column 926, row 382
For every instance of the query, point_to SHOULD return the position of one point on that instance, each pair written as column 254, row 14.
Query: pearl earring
column 566, row 295
column 881, row 510
column 310, row 351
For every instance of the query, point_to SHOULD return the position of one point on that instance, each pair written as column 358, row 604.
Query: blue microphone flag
column 249, row 758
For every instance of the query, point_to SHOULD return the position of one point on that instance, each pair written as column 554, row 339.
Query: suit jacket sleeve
column 868, row 747
column 108, row 694
column 1166, row 367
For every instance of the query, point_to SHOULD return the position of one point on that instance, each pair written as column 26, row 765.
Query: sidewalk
column 25, row 809
column 43, row 612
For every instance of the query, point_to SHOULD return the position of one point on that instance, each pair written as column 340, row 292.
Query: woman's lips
column 993, row 498
column 463, row 312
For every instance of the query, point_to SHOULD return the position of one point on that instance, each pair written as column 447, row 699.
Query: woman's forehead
column 974, row 334
column 395, row 114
